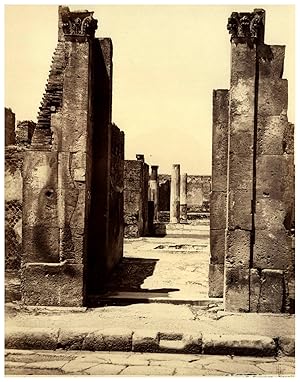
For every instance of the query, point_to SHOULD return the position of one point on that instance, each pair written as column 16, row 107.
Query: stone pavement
column 129, row 364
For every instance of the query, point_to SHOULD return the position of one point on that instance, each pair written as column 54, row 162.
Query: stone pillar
column 218, row 196
column 241, row 177
column 183, row 198
column 57, row 174
column 153, row 187
column 175, row 194
column 10, row 122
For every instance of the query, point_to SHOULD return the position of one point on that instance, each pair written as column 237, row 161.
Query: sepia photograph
column 149, row 186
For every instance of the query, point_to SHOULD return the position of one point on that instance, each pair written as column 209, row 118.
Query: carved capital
column 79, row 23
column 246, row 27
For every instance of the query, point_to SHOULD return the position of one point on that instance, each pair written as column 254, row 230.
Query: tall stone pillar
column 247, row 30
column 218, row 195
column 183, row 198
column 57, row 173
column 153, row 189
column 175, row 194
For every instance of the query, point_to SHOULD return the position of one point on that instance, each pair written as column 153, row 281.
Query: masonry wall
column 10, row 121
column 198, row 190
column 259, row 249
column 218, row 196
column 136, row 177
column 70, row 208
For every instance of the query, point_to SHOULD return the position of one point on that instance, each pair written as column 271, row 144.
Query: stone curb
column 144, row 340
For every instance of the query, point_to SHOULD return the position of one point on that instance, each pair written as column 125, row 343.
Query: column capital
column 78, row 23
column 247, row 27
column 140, row 157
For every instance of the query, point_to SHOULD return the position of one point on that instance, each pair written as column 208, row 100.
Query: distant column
column 153, row 186
column 175, row 194
column 183, row 198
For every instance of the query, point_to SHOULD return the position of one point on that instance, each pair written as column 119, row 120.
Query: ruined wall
column 218, row 196
column 10, row 121
column 198, row 190
column 259, row 255
column 24, row 133
column 136, row 177
column 66, row 169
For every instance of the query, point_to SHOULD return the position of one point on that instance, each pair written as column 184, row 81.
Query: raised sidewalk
column 150, row 328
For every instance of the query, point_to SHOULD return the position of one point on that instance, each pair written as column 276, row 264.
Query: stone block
column 255, row 288
column 220, row 139
column 240, row 172
column 287, row 345
column 217, row 246
column 40, row 244
column 272, row 249
column 270, row 214
column 30, row 338
column 72, row 244
column 58, row 284
column 242, row 101
column 272, row 67
column 238, row 248
column 288, row 138
column 272, row 291
column 243, row 63
column 40, row 206
column 240, row 209
column 272, row 97
column 241, row 136
column 40, row 169
column 94, row 341
column 216, row 280
column 72, row 169
column 270, row 134
column 72, row 339
column 117, row 339
column 145, row 340
column 218, row 210
column 238, row 344
column 270, row 176
column 236, row 290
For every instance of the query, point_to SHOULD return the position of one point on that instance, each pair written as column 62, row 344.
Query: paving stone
column 287, row 345
column 144, row 340
column 39, row 357
column 235, row 367
column 188, row 371
column 136, row 360
column 105, row 369
column 147, row 370
column 278, row 368
column 13, row 364
column 76, row 366
column 47, row 364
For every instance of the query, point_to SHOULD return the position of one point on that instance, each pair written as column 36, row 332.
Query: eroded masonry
column 252, row 200
column 75, row 161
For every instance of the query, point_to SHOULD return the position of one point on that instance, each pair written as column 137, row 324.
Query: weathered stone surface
column 240, row 209
column 217, row 246
column 72, row 339
column 239, row 344
column 240, row 173
column 220, row 139
column 237, row 288
column 287, row 346
column 272, row 132
column 30, row 338
column 59, row 284
column 272, row 249
column 270, row 214
column 272, row 97
column 40, row 244
column 40, row 169
column 175, row 194
column 272, row 67
column 238, row 244
column 216, row 280
column 145, row 341
column 272, row 291
column 118, row 339
column 255, row 288
column 93, row 341
column 218, row 200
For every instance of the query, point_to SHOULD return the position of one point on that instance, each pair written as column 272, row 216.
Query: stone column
column 153, row 186
column 57, row 174
column 175, row 194
column 247, row 30
column 218, row 195
column 183, row 198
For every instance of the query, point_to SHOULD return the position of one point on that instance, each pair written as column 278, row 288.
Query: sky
column 167, row 59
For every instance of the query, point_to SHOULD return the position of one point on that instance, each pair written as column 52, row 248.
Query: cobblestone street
column 20, row 362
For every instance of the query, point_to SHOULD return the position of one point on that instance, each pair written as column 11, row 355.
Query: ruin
column 136, row 178
column 73, row 173
column 253, row 141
